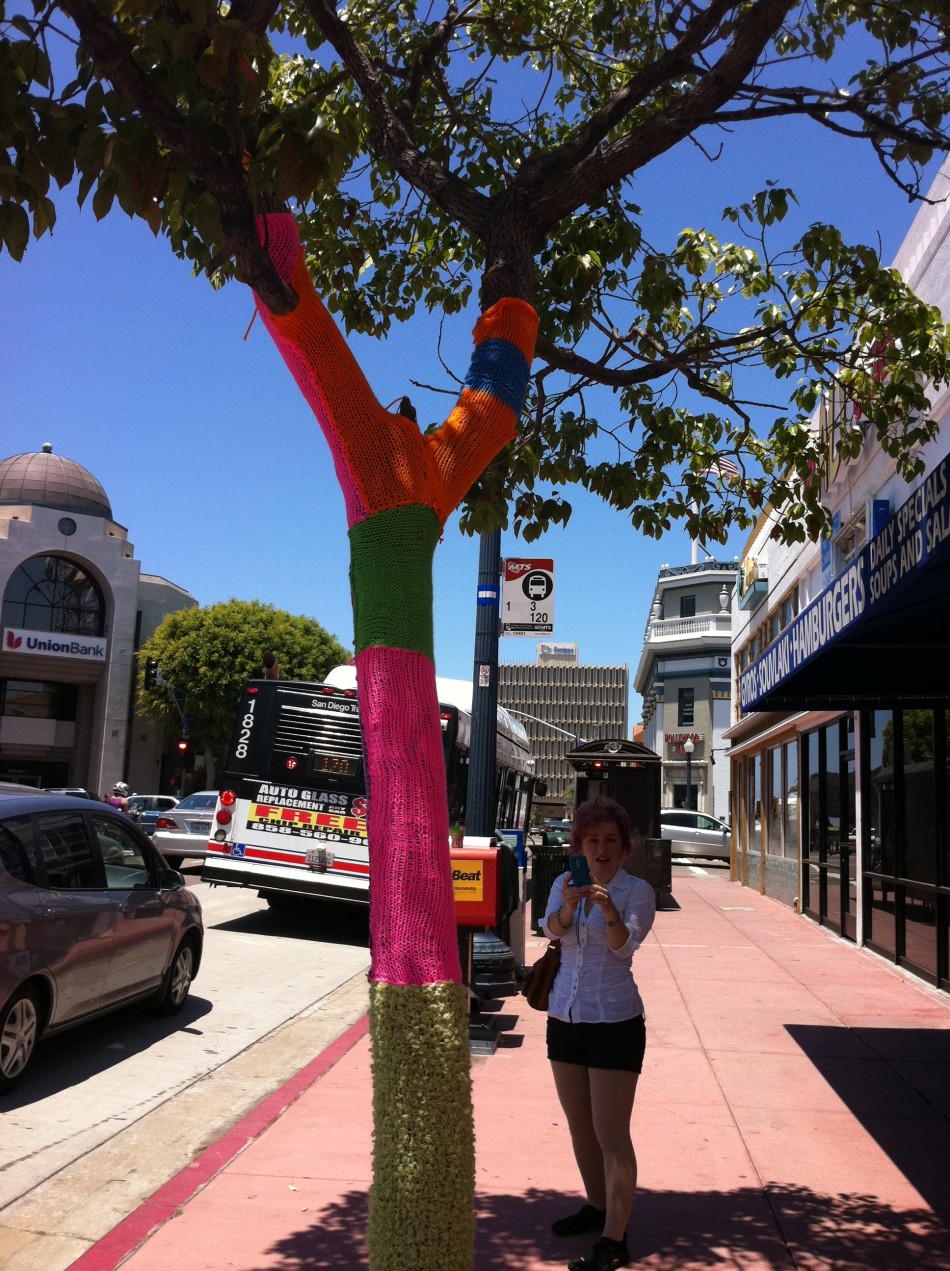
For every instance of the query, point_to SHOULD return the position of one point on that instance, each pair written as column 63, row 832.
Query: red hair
column 592, row 813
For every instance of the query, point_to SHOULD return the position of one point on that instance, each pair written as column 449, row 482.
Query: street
column 115, row 1108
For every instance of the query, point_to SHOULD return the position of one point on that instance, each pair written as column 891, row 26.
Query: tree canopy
column 436, row 151
column 207, row 655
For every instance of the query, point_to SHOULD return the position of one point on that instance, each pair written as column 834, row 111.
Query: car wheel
column 19, row 1033
column 170, row 998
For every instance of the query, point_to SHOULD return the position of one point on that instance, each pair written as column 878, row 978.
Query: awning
column 879, row 634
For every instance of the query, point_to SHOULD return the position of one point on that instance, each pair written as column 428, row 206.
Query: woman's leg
column 573, row 1090
column 611, row 1106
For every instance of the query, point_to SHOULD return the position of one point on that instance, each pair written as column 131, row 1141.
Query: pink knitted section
column 412, row 911
column 279, row 233
column 281, row 239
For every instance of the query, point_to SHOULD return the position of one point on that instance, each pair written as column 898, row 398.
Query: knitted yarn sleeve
column 383, row 460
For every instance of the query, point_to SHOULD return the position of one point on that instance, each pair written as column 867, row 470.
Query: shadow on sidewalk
column 896, row 1083
column 670, row 1231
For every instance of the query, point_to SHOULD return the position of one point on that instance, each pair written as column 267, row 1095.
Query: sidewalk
column 794, row 1112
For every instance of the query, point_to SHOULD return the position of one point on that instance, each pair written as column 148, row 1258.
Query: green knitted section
column 422, row 1204
column 391, row 579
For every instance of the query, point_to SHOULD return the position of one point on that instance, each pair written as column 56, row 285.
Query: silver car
column 182, row 833
column 695, row 833
column 91, row 918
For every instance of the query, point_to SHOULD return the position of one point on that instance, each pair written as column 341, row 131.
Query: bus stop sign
column 527, row 597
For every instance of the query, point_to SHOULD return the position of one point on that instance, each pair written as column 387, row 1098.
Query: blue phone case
column 580, row 871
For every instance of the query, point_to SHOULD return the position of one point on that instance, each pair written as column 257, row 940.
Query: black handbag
column 536, row 988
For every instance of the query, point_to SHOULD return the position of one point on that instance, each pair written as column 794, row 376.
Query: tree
column 429, row 152
column 207, row 655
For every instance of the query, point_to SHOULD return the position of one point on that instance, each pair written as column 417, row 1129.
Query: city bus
column 290, row 819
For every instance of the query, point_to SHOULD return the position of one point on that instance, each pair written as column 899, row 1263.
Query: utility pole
column 480, row 799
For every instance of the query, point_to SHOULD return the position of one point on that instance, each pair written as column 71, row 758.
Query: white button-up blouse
column 595, row 983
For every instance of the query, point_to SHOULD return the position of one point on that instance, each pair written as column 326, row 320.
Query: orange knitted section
column 383, row 460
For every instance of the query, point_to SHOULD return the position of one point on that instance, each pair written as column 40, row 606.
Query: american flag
column 721, row 466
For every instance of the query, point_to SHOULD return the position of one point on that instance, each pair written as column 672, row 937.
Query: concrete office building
column 684, row 678
column 76, row 607
column 840, row 749
column 571, row 699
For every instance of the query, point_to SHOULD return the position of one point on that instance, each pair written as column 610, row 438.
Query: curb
column 125, row 1238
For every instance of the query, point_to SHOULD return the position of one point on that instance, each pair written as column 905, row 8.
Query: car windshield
column 204, row 802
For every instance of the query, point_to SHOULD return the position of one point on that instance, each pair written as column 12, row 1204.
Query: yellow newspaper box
column 476, row 882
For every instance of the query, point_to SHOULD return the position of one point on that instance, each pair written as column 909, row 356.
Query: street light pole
column 689, row 747
column 480, row 797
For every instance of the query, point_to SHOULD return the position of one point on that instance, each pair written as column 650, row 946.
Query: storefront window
column 849, row 841
column 834, row 831
column 880, row 795
column 791, row 799
column 881, row 833
column 755, row 803
column 920, row 797
column 773, row 784
column 920, row 929
column 812, row 776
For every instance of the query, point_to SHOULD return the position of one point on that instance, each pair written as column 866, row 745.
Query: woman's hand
column 599, row 895
column 571, row 897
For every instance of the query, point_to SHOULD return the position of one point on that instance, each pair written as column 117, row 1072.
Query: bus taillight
column 223, row 816
column 227, row 797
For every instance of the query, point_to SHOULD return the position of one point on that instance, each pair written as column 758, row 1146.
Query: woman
column 596, row 1033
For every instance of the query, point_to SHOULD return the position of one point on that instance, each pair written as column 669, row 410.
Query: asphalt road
column 112, row 1110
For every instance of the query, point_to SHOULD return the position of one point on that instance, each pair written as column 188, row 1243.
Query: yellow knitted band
column 424, row 1140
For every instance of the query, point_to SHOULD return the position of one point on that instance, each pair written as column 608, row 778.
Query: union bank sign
column 54, row 644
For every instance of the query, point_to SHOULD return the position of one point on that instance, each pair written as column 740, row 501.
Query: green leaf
column 14, row 229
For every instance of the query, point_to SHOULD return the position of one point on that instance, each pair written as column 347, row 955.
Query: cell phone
column 580, row 871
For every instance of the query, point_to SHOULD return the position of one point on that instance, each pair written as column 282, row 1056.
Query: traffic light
column 184, row 745
column 152, row 673
column 185, row 755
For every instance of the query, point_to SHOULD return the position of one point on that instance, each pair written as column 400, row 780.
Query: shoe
column 587, row 1218
column 606, row 1255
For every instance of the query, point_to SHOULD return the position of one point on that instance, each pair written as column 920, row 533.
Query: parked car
column 695, row 833
column 563, row 826
column 77, row 792
column 183, row 832
column 145, row 809
column 91, row 918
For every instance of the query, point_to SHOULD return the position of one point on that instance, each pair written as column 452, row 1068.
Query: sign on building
column 50, row 644
column 557, row 654
column 527, row 597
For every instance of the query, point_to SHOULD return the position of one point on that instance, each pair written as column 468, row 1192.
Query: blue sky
column 116, row 355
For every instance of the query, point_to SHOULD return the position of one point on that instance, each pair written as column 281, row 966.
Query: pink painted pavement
column 793, row 1115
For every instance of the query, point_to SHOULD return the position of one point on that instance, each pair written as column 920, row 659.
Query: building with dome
column 76, row 608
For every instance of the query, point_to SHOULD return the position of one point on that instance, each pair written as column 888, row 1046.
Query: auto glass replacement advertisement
column 327, row 815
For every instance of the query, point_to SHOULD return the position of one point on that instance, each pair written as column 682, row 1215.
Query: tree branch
column 256, row 15
column 222, row 174
column 391, row 139
column 675, row 61
column 563, row 191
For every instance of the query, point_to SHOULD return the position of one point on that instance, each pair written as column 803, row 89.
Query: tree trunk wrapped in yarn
column 399, row 488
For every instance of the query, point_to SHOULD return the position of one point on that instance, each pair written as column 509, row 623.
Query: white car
column 695, row 833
